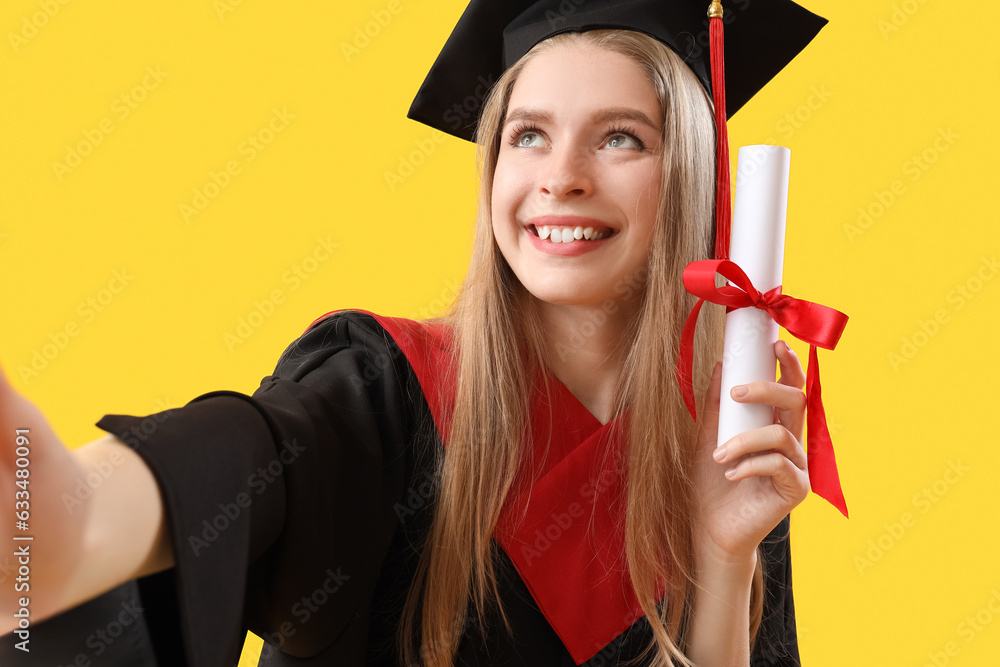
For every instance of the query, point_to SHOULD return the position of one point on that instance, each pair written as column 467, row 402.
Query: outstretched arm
column 77, row 550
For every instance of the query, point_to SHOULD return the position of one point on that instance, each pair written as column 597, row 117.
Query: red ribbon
column 817, row 325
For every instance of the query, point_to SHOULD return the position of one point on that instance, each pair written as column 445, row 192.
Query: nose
column 566, row 172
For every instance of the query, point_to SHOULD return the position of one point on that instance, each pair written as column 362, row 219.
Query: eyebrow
column 602, row 116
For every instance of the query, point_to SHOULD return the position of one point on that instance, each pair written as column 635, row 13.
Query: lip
column 574, row 248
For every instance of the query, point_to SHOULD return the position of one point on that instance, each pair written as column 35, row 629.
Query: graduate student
column 518, row 482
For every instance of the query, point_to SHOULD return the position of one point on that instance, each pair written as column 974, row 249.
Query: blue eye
column 528, row 139
column 526, row 136
column 624, row 138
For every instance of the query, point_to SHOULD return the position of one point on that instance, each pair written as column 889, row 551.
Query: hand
column 750, row 483
column 51, row 472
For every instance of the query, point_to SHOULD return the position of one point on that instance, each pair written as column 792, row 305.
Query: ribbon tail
column 685, row 359
column 823, row 475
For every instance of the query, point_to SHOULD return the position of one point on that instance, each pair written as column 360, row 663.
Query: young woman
column 516, row 483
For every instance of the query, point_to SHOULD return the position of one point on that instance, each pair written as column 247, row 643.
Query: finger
column 789, row 403
column 774, row 438
column 791, row 370
column 789, row 481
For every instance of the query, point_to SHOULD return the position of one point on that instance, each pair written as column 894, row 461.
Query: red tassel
column 723, row 193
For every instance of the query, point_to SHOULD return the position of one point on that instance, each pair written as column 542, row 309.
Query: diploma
column 757, row 246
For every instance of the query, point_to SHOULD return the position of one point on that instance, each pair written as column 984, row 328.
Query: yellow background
column 880, row 85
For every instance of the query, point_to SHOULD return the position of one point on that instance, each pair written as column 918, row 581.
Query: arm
column 79, row 549
column 720, row 613
column 745, row 488
column 125, row 536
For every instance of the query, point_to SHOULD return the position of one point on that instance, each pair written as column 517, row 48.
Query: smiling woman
column 518, row 480
column 552, row 146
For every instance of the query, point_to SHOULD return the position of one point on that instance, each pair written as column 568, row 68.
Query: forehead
column 584, row 76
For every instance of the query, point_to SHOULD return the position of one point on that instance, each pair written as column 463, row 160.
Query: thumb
column 713, row 395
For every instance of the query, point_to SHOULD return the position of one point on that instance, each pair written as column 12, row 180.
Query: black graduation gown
column 299, row 513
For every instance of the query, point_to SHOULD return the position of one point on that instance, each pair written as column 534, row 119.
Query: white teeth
column 569, row 234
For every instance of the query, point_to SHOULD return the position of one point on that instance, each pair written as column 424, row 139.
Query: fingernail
column 788, row 348
column 731, row 473
column 720, row 454
column 740, row 391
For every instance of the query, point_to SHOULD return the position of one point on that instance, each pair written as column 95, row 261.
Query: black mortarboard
column 762, row 36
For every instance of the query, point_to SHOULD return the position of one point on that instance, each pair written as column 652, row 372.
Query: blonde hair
column 499, row 348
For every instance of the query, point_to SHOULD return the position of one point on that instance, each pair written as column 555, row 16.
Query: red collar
column 569, row 548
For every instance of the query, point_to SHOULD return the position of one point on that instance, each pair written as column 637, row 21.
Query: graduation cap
column 762, row 37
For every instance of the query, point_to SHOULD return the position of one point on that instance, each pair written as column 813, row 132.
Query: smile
column 557, row 234
column 568, row 235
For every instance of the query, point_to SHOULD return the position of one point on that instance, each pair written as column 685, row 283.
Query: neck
column 585, row 348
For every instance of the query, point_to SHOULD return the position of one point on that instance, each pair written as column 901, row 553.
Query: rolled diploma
column 757, row 246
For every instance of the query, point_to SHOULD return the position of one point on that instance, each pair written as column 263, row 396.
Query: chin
column 560, row 295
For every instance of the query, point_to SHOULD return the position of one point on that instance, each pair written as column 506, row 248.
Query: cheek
column 507, row 189
column 648, row 200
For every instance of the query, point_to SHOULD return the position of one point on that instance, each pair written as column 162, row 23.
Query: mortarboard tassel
column 723, row 192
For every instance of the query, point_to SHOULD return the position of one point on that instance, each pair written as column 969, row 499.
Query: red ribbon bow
column 810, row 322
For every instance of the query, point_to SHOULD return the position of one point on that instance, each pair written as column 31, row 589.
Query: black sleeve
column 777, row 641
column 108, row 631
column 279, row 504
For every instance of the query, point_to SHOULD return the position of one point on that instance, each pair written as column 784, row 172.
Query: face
column 578, row 175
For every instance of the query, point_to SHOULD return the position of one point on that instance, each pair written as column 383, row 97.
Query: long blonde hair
column 499, row 344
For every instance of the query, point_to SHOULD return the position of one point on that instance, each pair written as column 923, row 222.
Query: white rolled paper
column 758, row 247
